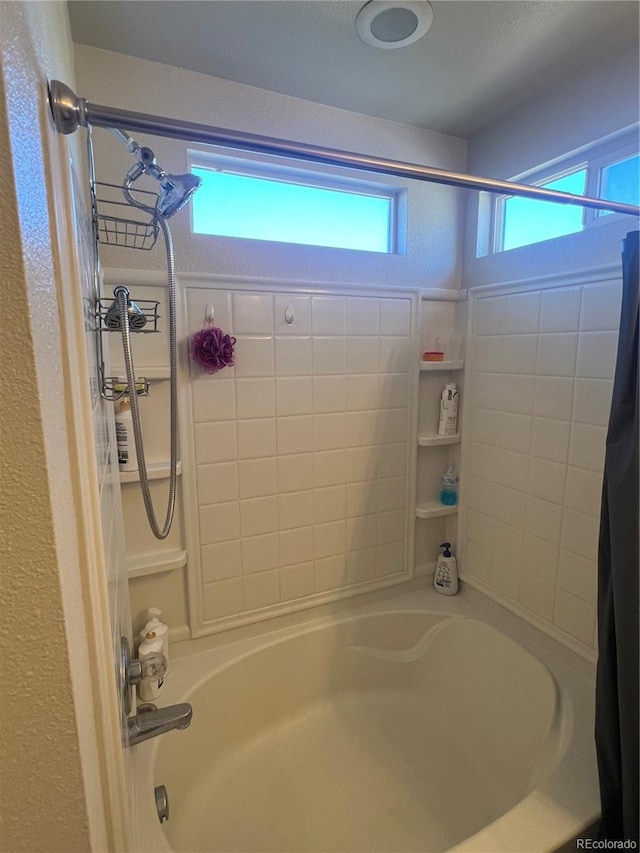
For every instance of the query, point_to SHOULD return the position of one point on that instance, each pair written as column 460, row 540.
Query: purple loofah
column 212, row 349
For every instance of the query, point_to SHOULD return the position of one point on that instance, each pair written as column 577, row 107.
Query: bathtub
column 400, row 722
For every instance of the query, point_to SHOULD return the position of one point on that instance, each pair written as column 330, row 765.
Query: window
column 526, row 221
column 242, row 199
column 611, row 171
column 621, row 182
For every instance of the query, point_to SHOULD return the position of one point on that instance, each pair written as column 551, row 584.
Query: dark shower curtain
column 617, row 676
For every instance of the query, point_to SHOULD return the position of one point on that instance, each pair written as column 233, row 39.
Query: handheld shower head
column 176, row 189
column 137, row 317
column 176, row 192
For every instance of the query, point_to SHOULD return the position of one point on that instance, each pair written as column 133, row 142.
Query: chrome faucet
column 147, row 724
column 152, row 723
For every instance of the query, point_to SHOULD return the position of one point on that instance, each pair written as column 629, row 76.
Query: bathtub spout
column 153, row 723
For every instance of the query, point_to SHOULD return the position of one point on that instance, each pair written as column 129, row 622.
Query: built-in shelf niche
column 155, row 471
column 430, row 390
column 432, row 439
column 434, row 509
column 433, row 366
column 155, row 563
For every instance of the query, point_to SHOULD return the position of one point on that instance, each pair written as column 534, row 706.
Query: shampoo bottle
column 127, row 455
column 149, row 689
column 159, row 629
column 448, row 422
column 445, row 579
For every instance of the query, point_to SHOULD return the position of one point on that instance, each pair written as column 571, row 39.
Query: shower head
column 176, row 189
column 176, row 192
column 137, row 317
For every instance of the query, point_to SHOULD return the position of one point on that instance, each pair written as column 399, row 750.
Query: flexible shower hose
column 121, row 297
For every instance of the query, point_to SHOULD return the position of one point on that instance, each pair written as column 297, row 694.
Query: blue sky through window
column 621, row 181
column 258, row 208
column 527, row 221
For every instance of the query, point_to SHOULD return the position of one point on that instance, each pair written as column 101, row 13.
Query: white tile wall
column 301, row 449
column 543, row 365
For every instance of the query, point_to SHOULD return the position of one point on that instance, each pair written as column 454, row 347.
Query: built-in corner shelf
column 156, row 563
column 441, row 365
column 433, row 509
column 431, row 439
column 155, row 471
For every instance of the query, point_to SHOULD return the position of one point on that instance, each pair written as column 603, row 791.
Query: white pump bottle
column 445, row 578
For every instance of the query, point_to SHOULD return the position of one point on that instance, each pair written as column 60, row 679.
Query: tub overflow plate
column 162, row 803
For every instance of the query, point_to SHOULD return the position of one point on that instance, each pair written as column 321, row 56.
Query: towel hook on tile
column 289, row 315
column 209, row 315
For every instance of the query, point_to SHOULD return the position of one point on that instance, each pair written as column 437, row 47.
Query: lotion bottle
column 445, row 578
column 127, row 455
column 149, row 689
column 159, row 629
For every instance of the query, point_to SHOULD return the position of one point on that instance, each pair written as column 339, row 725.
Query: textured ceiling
column 479, row 60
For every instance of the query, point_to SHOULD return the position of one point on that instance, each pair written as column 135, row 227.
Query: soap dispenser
column 449, row 486
column 445, row 578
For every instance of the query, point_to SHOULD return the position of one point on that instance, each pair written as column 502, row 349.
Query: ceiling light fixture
column 389, row 24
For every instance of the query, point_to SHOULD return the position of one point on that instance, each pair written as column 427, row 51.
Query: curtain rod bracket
column 68, row 110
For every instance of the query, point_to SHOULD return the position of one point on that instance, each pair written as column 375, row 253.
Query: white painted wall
column 435, row 214
column 579, row 112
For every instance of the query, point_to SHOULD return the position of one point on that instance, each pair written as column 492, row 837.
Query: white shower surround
column 173, row 571
column 540, row 368
column 341, row 708
column 288, row 517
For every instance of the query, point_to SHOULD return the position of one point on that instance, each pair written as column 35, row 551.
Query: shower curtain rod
column 71, row 112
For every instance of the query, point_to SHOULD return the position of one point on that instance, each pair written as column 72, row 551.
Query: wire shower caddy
column 120, row 224
column 117, row 223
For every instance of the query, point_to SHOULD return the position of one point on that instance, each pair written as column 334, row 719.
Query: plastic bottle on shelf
column 448, row 422
column 445, row 578
column 449, row 486
column 159, row 629
column 127, row 455
column 149, row 689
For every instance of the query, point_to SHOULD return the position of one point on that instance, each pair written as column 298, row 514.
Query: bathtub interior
column 403, row 730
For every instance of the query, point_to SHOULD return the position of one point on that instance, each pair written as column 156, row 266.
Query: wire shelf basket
column 115, row 387
column 120, row 224
column 144, row 320
column 147, row 319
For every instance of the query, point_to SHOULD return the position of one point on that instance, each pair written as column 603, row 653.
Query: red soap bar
column 433, row 356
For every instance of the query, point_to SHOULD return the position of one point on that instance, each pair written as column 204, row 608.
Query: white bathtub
column 404, row 724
